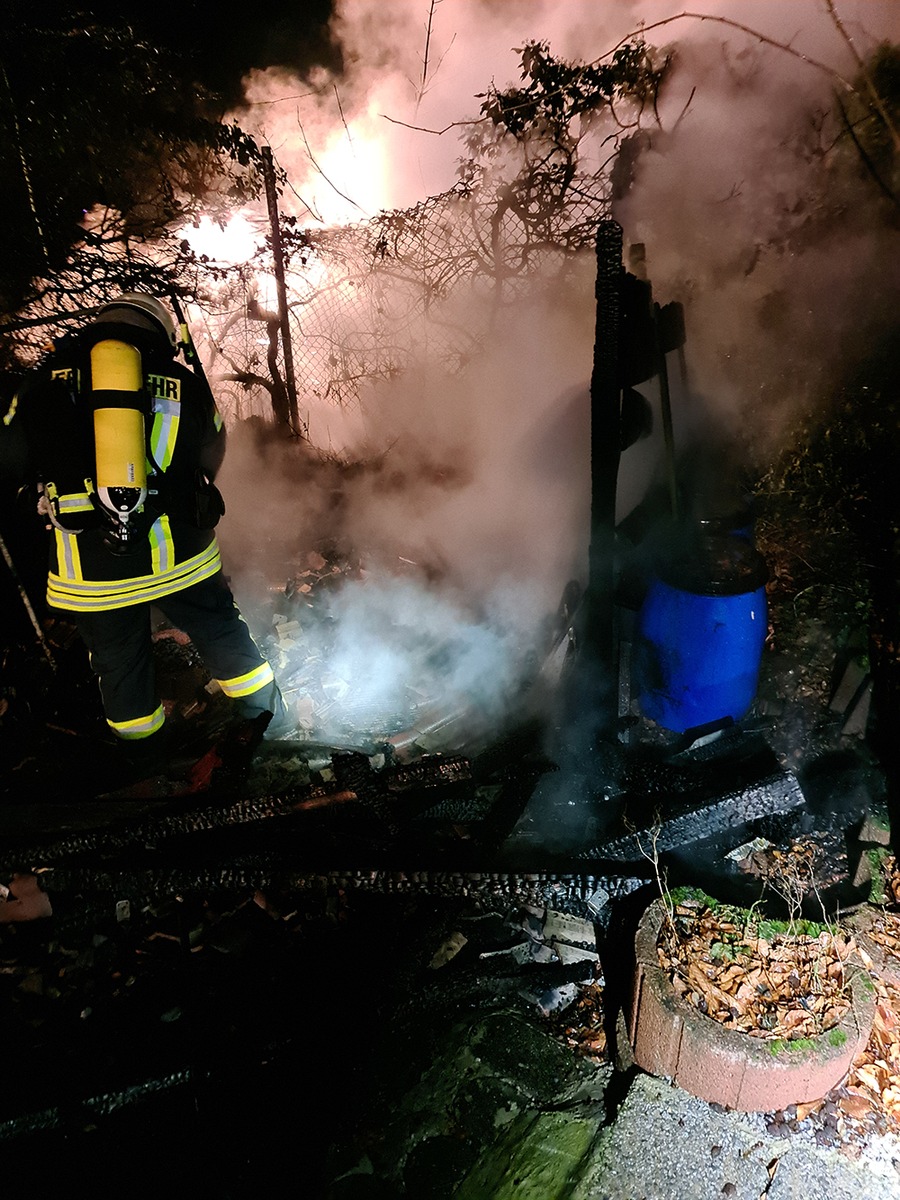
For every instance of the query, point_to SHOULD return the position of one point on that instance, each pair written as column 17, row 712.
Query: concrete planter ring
column 673, row 1039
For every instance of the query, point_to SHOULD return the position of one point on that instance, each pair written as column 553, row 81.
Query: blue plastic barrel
column 700, row 637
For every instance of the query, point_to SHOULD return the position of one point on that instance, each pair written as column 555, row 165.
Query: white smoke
column 732, row 199
column 776, row 249
column 468, row 517
column 387, row 626
column 382, row 99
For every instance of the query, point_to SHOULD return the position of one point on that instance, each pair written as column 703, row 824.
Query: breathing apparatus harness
column 111, row 356
column 119, row 406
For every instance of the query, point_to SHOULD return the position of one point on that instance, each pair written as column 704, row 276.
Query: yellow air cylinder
column 119, row 431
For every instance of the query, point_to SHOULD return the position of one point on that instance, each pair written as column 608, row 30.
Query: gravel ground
column 667, row 1145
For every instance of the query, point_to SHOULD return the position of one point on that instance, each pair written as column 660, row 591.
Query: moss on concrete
column 515, row 1048
column 878, row 887
column 539, row 1157
column 487, row 1077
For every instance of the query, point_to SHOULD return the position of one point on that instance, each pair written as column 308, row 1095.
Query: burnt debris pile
column 413, row 777
column 412, row 853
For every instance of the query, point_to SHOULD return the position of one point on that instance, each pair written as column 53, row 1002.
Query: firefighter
column 125, row 443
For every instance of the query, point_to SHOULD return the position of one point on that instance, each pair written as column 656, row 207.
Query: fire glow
column 230, row 243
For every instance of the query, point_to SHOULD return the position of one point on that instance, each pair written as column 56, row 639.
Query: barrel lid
column 713, row 564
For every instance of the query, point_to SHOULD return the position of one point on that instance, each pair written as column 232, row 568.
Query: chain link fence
column 365, row 299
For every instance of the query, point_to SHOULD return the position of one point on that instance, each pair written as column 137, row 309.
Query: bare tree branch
column 436, row 132
column 867, row 161
column 337, row 97
column 331, row 184
column 761, row 37
column 428, row 28
column 867, row 76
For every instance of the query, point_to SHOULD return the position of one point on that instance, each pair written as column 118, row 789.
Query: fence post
column 278, row 256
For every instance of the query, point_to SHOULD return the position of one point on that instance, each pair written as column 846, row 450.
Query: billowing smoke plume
column 775, row 239
column 778, row 249
column 464, row 498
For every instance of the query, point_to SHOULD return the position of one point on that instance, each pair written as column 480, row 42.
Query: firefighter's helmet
column 146, row 312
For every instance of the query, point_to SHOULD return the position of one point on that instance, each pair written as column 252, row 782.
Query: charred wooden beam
column 356, row 780
column 678, row 824
column 599, row 638
column 148, row 831
column 433, row 771
column 90, row 1108
column 583, row 895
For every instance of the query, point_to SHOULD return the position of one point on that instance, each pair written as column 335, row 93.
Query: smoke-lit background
column 484, row 481
column 473, row 485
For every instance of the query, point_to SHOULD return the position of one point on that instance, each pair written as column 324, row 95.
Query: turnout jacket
column 174, row 544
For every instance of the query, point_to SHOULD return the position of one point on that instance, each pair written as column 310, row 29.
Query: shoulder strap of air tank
column 191, row 357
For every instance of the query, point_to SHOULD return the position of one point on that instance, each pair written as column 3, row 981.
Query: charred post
column 599, row 638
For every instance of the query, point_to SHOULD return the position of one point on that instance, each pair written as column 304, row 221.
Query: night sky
column 218, row 49
column 65, row 103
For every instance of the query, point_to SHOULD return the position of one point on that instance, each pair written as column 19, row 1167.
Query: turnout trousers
column 121, row 650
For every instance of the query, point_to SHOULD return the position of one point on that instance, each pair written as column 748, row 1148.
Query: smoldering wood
column 393, row 794
column 94, row 886
column 681, row 823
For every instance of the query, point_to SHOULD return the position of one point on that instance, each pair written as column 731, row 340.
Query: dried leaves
column 583, row 1027
column 750, row 976
column 798, row 871
column 753, row 975
column 885, row 930
column 891, row 880
column 873, row 1086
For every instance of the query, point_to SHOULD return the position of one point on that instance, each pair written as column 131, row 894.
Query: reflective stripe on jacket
column 82, row 595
